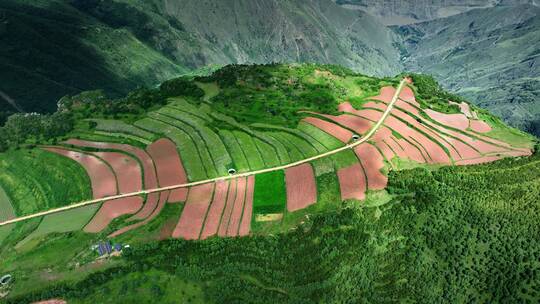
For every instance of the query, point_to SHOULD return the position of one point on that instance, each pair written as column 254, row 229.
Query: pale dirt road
column 147, row 191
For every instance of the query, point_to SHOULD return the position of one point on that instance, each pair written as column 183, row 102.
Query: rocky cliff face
column 62, row 47
column 261, row 31
column 490, row 56
column 399, row 12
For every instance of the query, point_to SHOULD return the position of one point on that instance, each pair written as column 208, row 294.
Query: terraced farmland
column 197, row 143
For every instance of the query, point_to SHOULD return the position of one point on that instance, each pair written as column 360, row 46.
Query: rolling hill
column 345, row 187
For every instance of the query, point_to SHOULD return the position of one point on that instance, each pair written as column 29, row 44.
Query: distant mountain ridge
column 59, row 47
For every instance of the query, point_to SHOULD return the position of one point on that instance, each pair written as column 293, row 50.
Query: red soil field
column 150, row 179
column 352, row 182
column 111, row 210
column 479, row 126
column 386, row 94
column 385, row 149
column 127, row 170
column 245, row 225
column 149, row 206
column 169, row 168
column 338, row 132
column 192, row 218
column 358, row 124
column 479, row 160
column 435, row 152
column 231, row 197
column 301, row 188
column 101, row 177
column 457, row 121
column 163, row 196
column 407, row 94
column 216, row 209
column 372, row 162
column 236, row 214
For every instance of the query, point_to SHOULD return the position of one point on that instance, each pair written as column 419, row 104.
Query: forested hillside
column 466, row 234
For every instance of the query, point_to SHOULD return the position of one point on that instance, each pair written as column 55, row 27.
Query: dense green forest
column 456, row 234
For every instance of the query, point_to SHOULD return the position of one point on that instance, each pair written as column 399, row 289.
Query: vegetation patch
column 270, row 195
column 36, row 180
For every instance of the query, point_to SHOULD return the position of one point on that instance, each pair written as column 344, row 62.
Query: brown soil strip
column 126, row 169
column 479, row 126
column 101, row 177
column 216, row 210
column 245, row 225
column 352, row 182
column 301, row 187
column 169, row 168
column 192, row 218
column 163, row 196
column 111, row 210
column 231, row 197
column 372, row 162
column 238, row 208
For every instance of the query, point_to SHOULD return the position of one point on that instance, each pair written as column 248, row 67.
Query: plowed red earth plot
column 192, row 218
column 352, row 182
column 111, row 210
column 163, row 197
column 101, row 177
column 231, row 197
column 301, row 187
column 150, row 179
column 245, row 225
column 358, row 124
column 238, row 208
column 372, row 162
column 338, row 132
column 479, row 126
column 126, row 169
column 457, row 121
column 216, row 210
column 169, row 168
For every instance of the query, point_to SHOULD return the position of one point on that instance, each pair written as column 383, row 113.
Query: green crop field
column 250, row 150
column 327, row 140
column 202, row 146
column 268, row 153
column 344, row 159
column 6, row 212
column 118, row 126
column 304, row 146
column 215, row 146
column 66, row 221
column 37, row 180
column 241, row 164
column 270, row 194
column 293, row 150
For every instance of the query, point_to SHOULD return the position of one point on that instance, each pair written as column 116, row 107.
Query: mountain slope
column 58, row 47
column 489, row 56
column 396, row 12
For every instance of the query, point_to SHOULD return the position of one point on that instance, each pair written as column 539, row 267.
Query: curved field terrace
column 187, row 143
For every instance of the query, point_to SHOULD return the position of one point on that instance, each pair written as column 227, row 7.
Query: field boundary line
column 223, row 178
